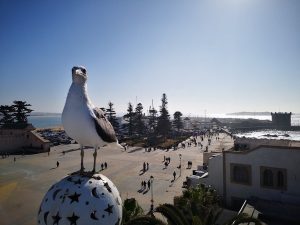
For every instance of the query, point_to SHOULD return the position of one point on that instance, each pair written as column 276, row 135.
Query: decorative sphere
column 81, row 200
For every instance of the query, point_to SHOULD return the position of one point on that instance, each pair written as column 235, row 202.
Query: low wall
column 16, row 140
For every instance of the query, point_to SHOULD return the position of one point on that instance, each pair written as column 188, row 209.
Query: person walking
column 148, row 184
column 174, row 175
column 166, row 164
column 105, row 165
column 57, row 164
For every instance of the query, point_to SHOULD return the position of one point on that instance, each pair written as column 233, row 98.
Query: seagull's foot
column 81, row 171
column 84, row 173
column 77, row 172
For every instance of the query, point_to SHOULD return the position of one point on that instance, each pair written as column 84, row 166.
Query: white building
column 266, row 172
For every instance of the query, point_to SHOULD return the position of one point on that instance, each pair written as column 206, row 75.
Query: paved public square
column 23, row 183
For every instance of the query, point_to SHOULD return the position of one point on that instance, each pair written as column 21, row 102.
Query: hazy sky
column 219, row 56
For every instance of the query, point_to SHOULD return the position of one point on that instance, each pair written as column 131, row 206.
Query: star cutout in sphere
column 74, row 197
column 109, row 209
column 56, row 218
column 107, row 187
column 73, row 219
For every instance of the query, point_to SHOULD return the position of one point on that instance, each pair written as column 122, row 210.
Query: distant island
column 249, row 114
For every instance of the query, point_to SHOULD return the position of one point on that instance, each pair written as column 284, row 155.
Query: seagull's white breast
column 77, row 117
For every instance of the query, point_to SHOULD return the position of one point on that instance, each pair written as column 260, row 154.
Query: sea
column 295, row 118
column 55, row 121
column 45, row 121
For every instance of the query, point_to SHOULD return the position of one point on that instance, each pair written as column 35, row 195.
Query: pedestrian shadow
column 142, row 172
column 141, row 190
column 135, row 150
column 173, row 181
column 146, row 191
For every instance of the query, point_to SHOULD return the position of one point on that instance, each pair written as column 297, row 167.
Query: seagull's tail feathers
column 116, row 145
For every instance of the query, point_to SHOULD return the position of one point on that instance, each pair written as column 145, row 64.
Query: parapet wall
column 14, row 140
column 251, row 143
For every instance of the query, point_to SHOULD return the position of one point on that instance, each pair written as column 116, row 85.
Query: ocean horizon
column 49, row 121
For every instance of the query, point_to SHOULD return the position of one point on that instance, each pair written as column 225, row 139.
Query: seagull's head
column 79, row 74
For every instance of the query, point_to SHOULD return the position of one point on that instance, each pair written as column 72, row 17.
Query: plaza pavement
column 23, row 183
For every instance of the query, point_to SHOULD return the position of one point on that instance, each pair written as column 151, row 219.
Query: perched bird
column 82, row 121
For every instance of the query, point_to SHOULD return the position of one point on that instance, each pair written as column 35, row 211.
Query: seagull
column 84, row 122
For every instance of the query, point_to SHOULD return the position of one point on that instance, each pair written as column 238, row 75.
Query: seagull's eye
column 83, row 70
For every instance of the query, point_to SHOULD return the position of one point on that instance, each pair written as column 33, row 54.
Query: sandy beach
column 24, row 183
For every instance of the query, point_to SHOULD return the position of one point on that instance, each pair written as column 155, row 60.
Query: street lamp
column 180, row 164
column 152, row 201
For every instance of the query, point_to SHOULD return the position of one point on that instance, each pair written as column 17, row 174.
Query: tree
column 178, row 120
column 21, row 111
column 152, row 122
column 7, row 118
column 111, row 116
column 175, row 216
column 201, row 201
column 131, row 210
column 139, row 125
column 15, row 116
column 129, row 117
column 164, row 124
column 196, row 206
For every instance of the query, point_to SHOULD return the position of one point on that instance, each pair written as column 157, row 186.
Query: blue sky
column 218, row 56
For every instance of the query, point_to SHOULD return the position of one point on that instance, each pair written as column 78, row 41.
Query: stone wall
column 16, row 140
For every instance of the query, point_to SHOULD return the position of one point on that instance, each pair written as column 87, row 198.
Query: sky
column 207, row 56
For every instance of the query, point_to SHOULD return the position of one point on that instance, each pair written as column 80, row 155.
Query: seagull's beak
column 79, row 72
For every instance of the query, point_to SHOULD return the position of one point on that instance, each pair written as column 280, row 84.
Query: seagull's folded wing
column 104, row 128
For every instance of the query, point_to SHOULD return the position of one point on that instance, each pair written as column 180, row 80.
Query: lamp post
column 180, row 164
column 152, row 201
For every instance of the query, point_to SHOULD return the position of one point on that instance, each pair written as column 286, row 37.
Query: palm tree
column 131, row 210
column 174, row 216
column 199, row 201
column 145, row 220
column 196, row 206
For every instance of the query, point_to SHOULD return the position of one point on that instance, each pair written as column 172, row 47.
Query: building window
column 275, row 178
column 268, row 178
column 240, row 173
column 280, row 179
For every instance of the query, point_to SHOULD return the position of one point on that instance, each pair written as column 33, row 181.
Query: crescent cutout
column 93, row 215
column 45, row 217
column 94, row 193
column 55, row 193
